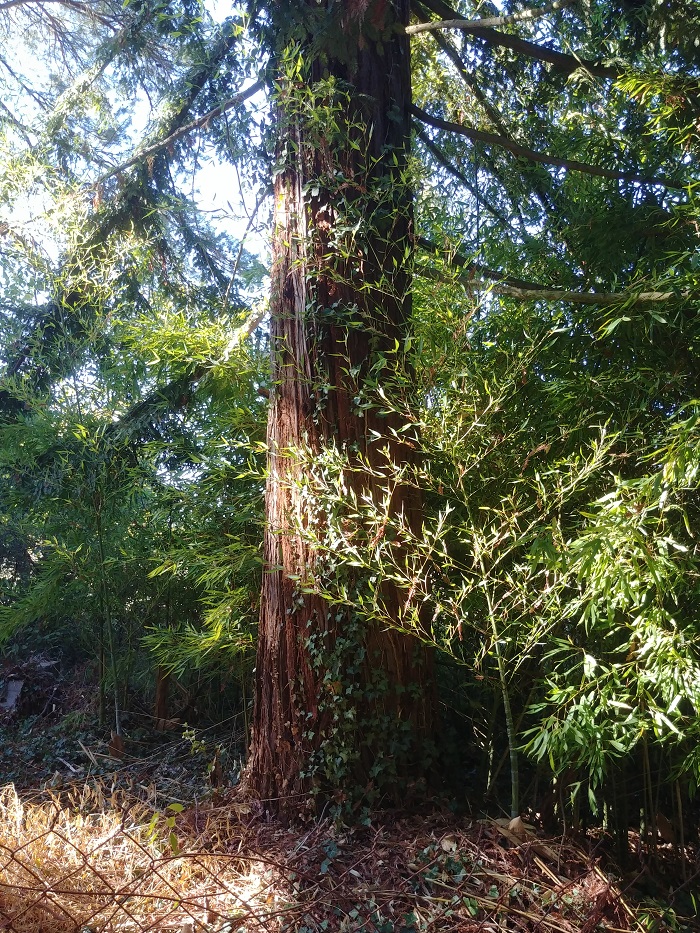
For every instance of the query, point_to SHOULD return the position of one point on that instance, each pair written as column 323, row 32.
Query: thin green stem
column 507, row 708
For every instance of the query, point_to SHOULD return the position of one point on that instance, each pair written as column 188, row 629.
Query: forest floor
column 137, row 838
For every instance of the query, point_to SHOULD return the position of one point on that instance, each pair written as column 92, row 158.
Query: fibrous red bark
column 340, row 300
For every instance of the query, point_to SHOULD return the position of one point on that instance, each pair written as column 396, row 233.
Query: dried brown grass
column 70, row 865
column 98, row 862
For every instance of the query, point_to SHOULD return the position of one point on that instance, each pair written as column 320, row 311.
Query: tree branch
column 543, row 293
column 580, row 298
column 182, row 131
column 468, row 24
column 540, row 183
column 533, row 156
column 455, row 258
column 460, row 176
column 83, row 8
column 558, row 60
column 177, row 394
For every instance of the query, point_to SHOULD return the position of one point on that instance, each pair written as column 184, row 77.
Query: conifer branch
column 453, row 257
column 78, row 5
column 533, row 155
column 539, row 183
column 560, row 61
column 155, row 148
column 442, row 159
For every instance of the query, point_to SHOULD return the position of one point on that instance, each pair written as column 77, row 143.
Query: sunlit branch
column 544, row 293
column 177, row 394
column 489, row 21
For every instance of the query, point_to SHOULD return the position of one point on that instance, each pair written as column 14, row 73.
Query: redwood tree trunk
column 341, row 702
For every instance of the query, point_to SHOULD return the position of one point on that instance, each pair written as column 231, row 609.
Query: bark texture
column 339, row 304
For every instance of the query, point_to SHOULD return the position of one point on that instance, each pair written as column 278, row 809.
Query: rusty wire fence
column 63, row 870
column 93, row 863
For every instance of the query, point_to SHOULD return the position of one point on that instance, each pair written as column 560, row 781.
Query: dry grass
column 67, row 866
column 89, row 861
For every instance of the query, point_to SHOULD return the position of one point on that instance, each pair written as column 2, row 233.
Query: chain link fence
column 93, row 863
column 62, row 870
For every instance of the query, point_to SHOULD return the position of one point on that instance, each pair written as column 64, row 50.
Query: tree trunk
column 160, row 704
column 342, row 703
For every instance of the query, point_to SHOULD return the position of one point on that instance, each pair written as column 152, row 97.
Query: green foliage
column 356, row 714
